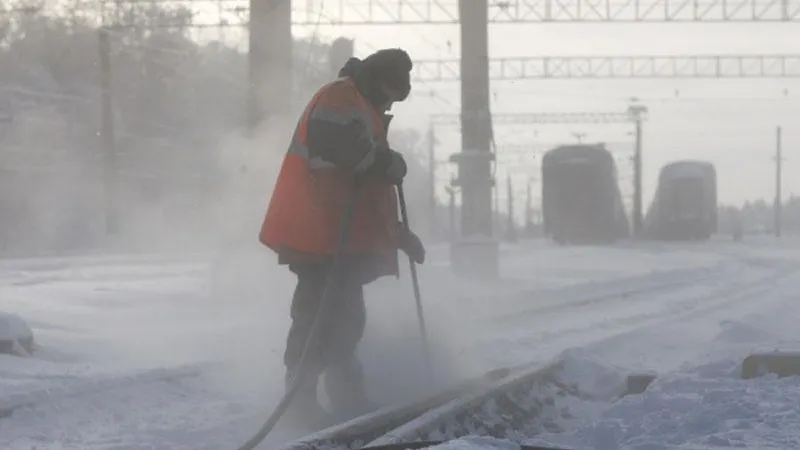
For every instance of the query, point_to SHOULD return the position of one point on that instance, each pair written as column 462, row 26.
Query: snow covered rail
column 733, row 293
column 575, row 296
column 642, row 289
column 520, row 406
column 586, row 295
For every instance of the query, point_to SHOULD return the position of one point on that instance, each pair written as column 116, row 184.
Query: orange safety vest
column 308, row 203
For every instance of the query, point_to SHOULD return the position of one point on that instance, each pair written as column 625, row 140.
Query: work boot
column 304, row 409
column 344, row 384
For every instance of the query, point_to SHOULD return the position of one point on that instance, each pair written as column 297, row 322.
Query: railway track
column 645, row 308
column 515, row 403
column 498, row 404
column 521, row 402
column 639, row 291
column 557, row 299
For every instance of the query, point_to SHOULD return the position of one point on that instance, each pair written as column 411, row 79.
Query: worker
column 340, row 142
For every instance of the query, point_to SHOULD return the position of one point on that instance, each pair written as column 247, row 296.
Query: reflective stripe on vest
column 341, row 116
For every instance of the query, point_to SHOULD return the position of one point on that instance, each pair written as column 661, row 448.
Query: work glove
column 411, row 244
column 397, row 168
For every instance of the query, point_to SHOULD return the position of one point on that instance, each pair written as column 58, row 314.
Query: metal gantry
column 195, row 13
column 446, row 12
column 235, row 13
column 546, row 118
column 443, row 12
column 604, row 67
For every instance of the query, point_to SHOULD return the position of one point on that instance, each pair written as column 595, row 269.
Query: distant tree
column 176, row 104
column 174, row 101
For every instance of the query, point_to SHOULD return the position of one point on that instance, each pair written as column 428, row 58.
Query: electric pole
column 511, row 229
column 107, row 140
column 637, row 112
column 452, row 227
column 476, row 253
column 496, row 225
column 269, row 60
column 528, row 210
column 778, row 202
column 434, row 229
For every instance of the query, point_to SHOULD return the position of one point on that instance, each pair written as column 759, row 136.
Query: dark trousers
column 338, row 333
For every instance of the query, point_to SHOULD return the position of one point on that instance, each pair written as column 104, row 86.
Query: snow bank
column 707, row 407
column 16, row 337
column 90, row 315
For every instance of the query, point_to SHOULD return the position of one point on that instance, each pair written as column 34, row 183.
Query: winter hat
column 392, row 67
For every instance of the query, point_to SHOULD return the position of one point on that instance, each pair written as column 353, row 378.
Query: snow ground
column 185, row 352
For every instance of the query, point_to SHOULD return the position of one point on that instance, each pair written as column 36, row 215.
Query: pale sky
column 728, row 122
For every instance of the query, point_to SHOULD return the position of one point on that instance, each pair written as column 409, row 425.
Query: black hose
column 427, row 444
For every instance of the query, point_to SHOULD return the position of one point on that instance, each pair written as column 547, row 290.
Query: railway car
column 581, row 199
column 685, row 203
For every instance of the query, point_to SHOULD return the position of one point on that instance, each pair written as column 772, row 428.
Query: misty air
column 390, row 225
